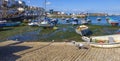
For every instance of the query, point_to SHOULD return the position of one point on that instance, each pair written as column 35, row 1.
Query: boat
column 98, row 19
column 53, row 21
column 106, row 41
column 75, row 21
column 113, row 22
column 8, row 24
column 33, row 24
column 2, row 23
column 83, row 30
column 106, row 38
column 67, row 20
column 84, row 22
column 45, row 24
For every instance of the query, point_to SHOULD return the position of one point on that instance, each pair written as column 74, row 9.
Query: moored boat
column 84, row 22
column 12, row 24
column 83, row 30
column 45, row 23
column 106, row 38
column 113, row 22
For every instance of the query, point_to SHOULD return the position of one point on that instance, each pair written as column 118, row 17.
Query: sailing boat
column 46, row 21
column 84, row 21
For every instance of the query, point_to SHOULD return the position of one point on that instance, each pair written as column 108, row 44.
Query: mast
column 45, row 7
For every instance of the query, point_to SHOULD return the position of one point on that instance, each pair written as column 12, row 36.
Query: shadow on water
column 7, row 52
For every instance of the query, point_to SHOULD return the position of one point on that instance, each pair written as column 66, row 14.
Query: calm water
column 94, row 20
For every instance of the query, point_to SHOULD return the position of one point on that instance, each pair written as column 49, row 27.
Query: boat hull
column 105, row 39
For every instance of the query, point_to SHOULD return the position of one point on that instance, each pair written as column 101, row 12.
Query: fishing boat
column 67, row 20
column 105, row 39
column 98, row 19
column 84, row 22
column 75, row 21
column 113, row 22
column 83, row 30
column 46, row 21
column 33, row 24
column 45, row 24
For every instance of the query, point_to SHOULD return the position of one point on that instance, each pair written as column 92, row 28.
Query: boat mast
column 45, row 7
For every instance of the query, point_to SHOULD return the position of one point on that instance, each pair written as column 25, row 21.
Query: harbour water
column 37, row 35
column 94, row 20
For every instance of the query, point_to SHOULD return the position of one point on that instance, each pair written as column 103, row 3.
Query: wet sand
column 57, row 51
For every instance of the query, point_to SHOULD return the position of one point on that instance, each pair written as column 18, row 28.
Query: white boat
column 83, row 30
column 33, row 24
column 113, row 22
column 98, row 19
column 106, row 38
column 45, row 24
column 83, row 22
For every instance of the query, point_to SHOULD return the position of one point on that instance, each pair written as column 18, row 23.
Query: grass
column 64, row 33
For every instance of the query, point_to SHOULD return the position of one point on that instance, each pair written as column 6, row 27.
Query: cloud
column 48, row 3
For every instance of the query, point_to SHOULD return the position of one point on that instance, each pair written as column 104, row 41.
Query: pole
column 45, row 8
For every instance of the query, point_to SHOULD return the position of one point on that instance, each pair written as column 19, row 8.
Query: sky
column 104, row 6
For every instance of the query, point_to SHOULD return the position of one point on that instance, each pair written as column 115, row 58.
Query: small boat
column 106, row 38
column 84, row 22
column 45, row 23
column 83, row 30
column 7, row 24
column 67, row 20
column 113, row 22
column 33, row 24
column 98, row 19
column 75, row 21
column 12, row 24
column 2, row 23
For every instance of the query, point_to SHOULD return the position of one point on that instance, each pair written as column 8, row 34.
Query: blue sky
column 108, row 6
